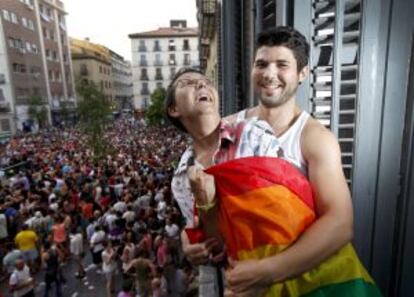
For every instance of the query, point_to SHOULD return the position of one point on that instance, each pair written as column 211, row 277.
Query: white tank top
column 290, row 140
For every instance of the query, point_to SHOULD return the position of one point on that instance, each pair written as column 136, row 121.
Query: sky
column 109, row 22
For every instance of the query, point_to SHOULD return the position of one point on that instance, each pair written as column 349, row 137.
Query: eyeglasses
column 188, row 82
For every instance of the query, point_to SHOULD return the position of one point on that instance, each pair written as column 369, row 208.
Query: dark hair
column 288, row 37
column 170, row 96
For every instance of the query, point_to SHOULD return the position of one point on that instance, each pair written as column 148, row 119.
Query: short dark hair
column 288, row 37
column 170, row 96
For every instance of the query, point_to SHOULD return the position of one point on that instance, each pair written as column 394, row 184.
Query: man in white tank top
column 279, row 67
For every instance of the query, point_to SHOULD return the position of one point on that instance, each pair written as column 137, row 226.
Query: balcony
column 158, row 63
column 144, row 77
column 157, row 48
column 4, row 106
column 172, row 62
column 142, row 48
column 159, row 76
column 187, row 62
column 143, row 63
column 145, row 91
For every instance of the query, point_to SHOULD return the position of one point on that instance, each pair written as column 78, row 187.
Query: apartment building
column 35, row 61
column 106, row 69
column 121, row 81
column 92, row 64
column 158, row 54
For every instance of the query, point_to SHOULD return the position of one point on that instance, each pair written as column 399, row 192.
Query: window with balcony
column 142, row 47
column 34, row 49
column 157, row 47
column 171, row 45
column 159, row 85
column 83, row 69
column 143, row 61
column 171, row 60
column 186, row 45
column 13, row 18
column 31, row 25
column 145, row 90
column 158, row 74
column 24, row 22
column 158, row 61
column 6, row 15
column 187, row 59
column 144, row 74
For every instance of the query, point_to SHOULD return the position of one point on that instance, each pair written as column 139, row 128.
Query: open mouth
column 203, row 98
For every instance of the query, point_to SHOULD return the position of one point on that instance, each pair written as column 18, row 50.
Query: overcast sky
column 109, row 22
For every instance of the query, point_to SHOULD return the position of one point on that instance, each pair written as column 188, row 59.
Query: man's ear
column 303, row 73
column 173, row 111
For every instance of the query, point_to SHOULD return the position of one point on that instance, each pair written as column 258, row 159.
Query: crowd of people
column 60, row 204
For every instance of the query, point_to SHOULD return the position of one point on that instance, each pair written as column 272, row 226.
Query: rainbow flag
column 265, row 205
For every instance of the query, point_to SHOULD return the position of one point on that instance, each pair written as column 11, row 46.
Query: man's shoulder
column 316, row 139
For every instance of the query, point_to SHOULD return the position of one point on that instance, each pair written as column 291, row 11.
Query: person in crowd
column 53, row 273
column 27, row 242
column 21, row 282
column 109, row 266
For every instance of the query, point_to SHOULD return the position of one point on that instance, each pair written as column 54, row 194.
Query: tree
column 37, row 110
column 155, row 112
column 94, row 115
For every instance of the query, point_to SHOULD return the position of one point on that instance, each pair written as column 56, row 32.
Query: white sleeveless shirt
column 290, row 140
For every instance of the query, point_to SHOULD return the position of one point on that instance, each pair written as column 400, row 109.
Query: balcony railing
column 4, row 106
column 157, row 48
column 187, row 62
column 145, row 91
column 158, row 63
column 144, row 77
column 142, row 48
column 159, row 77
column 143, row 63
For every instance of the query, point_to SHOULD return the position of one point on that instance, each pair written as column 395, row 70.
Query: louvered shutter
column 334, row 70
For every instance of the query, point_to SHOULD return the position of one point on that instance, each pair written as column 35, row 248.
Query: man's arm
column 331, row 230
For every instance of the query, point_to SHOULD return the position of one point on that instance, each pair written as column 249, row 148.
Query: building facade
column 158, row 54
column 109, row 71
column 121, row 82
column 361, row 86
column 35, row 60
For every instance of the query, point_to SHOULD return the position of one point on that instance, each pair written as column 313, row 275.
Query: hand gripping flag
column 265, row 204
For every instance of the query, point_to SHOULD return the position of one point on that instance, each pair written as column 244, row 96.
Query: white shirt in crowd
column 97, row 239
column 76, row 244
column 21, row 277
column 120, row 206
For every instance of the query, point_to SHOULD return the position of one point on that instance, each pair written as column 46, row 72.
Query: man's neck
column 280, row 118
